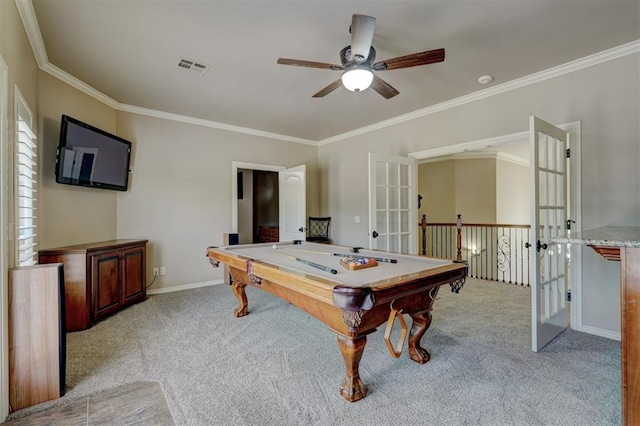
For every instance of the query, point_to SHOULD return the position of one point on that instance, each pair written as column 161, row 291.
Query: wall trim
column 30, row 23
column 600, row 332
column 182, row 287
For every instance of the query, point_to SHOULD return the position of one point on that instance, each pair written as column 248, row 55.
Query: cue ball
column 274, row 246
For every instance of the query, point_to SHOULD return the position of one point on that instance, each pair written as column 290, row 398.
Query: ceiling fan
column 358, row 62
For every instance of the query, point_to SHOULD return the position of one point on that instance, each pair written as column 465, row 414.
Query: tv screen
column 88, row 156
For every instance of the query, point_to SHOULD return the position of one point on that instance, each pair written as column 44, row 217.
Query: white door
column 393, row 203
column 548, row 219
column 293, row 203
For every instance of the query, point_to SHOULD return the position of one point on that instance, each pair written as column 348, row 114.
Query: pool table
column 352, row 303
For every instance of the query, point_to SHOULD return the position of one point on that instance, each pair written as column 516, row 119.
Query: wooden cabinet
column 100, row 278
column 37, row 339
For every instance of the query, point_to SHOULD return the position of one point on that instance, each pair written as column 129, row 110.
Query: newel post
column 459, row 226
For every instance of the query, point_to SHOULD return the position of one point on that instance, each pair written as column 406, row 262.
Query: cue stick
column 379, row 259
column 308, row 262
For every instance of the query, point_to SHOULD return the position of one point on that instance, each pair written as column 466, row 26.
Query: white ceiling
column 129, row 51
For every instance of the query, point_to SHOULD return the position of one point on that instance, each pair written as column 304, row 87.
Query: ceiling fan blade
column 330, row 88
column 412, row 60
column 310, row 64
column 384, row 88
column 361, row 36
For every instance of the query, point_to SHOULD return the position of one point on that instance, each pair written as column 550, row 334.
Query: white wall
column 436, row 181
column 71, row 214
column 513, row 193
column 603, row 97
column 475, row 190
column 179, row 196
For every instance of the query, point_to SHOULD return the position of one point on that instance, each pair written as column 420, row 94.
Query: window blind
column 27, row 202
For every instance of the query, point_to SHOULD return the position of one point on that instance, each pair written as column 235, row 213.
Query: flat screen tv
column 88, row 156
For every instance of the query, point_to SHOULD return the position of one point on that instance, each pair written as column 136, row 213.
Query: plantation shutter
column 27, row 186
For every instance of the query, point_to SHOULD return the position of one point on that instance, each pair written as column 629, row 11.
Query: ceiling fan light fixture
column 357, row 79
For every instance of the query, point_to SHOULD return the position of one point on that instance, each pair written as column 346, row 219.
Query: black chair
column 318, row 231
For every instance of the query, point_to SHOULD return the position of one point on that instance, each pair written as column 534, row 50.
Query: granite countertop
column 608, row 236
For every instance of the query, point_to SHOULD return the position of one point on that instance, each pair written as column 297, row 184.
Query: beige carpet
column 279, row 366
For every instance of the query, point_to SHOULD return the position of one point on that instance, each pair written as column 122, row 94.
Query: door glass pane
column 393, row 174
column 404, row 221
column 394, row 221
column 404, row 198
column 404, row 174
column 542, row 150
column 561, row 155
column 394, row 197
column 381, row 222
column 543, row 188
column 560, row 190
column 381, row 197
column 394, row 243
column 404, row 243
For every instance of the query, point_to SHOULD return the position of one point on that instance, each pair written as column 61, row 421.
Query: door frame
column 575, row 196
column 4, row 229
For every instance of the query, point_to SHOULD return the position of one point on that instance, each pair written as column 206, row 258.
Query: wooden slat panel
column 36, row 339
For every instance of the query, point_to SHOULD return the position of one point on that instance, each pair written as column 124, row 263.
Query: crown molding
column 79, row 84
column 479, row 155
column 213, row 124
column 569, row 67
column 471, row 146
column 30, row 23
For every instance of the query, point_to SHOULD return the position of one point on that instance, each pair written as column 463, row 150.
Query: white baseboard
column 183, row 287
column 600, row 332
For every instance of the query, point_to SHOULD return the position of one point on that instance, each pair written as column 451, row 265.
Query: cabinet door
column 133, row 275
column 105, row 283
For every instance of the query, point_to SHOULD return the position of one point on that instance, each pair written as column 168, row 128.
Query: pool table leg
column 352, row 389
column 238, row 290
column 421, row 322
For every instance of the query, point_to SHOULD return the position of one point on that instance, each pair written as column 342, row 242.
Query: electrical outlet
column 162, row 270
column 155, row 271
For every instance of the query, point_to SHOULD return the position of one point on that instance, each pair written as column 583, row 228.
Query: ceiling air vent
column 193, row 66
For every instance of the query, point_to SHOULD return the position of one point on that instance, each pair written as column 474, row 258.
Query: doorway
column 573, row 195
column 282, row 200
column 258, row 206
column 242, row 209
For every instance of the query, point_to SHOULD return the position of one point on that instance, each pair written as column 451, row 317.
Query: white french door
column 548, row 219
column 293, row 203
column 393, row 198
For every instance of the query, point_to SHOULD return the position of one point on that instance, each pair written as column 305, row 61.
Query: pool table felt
column 368, row 277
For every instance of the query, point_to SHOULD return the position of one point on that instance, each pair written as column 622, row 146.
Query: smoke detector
column 485, row 79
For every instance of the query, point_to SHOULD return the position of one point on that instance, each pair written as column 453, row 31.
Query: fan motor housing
column 349, row 62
